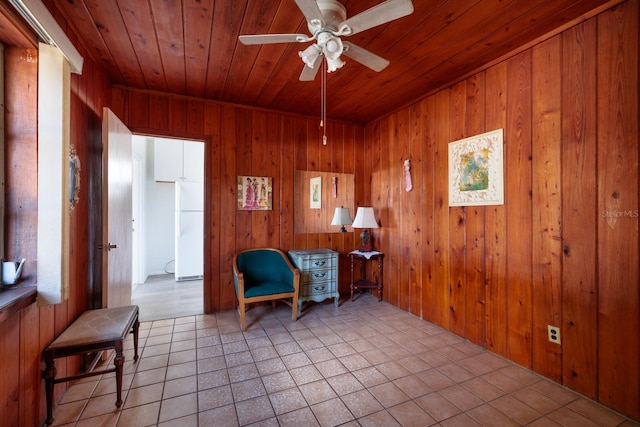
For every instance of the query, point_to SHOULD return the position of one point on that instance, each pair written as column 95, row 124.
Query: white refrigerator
column 189, row 231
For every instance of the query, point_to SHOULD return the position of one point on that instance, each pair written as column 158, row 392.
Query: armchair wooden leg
column 242, row 310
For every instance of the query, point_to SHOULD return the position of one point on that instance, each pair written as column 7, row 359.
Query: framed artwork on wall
column 315, row 195
column 74, row 179
column 476, row 170
column 255, row 193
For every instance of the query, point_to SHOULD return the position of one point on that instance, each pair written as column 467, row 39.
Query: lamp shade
column 341, row 217
column 365, row 218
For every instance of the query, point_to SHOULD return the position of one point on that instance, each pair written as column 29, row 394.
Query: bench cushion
column 99, row 325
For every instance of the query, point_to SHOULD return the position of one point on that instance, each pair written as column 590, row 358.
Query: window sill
column 15, row 298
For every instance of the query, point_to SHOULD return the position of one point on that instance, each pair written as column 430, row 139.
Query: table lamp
column 365, row 219
column 341, row 217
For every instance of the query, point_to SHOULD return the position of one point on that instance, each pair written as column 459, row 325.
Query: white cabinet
column 178, row 161
column 193, row 161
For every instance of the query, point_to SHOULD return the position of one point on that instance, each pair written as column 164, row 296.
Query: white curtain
column 53, row 175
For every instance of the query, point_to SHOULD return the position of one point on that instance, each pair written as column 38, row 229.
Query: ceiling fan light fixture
column 333, row 47
column 334, row 64
column 310, row 54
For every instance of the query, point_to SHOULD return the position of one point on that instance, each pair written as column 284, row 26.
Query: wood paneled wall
column 247, row 141
column 24, row 335
column 563, row 250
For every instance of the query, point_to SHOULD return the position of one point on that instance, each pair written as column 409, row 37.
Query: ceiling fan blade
column 310, row 10
column 309, row 74
column 377, row 15
column 272, row 38
column 363, row 56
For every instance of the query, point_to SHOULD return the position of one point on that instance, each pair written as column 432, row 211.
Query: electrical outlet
column 554, row 334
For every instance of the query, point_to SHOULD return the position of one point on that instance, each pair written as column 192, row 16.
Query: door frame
column 206, row 305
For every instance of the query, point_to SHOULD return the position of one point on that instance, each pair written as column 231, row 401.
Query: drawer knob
column 318, row 288
column 319, row 275
column 319, row 263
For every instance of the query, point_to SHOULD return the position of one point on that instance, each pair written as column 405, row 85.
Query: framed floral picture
column 255, row 193
column 476, row 170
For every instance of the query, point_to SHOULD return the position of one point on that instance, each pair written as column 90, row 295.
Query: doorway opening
column 168, row 227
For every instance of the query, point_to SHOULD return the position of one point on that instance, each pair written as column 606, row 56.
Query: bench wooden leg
column 119, row 362
column 49, row 378
column 136, row 327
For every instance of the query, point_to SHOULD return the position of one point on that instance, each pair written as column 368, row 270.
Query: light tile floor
column 366, row 363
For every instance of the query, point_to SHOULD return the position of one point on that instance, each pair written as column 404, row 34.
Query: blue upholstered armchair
column 265, row 274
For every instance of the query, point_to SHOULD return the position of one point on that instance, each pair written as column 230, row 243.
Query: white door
column 117, row 212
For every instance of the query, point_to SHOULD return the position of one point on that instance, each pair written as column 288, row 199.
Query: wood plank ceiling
column 191, row 47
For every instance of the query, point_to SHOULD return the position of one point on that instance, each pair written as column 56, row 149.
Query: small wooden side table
column 363, row 283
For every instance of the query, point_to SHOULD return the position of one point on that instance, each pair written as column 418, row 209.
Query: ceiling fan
column 327, row 21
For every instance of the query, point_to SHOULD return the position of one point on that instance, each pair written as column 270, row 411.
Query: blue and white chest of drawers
column 318, row 275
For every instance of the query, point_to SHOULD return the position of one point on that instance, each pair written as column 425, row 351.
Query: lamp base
column 365, row 241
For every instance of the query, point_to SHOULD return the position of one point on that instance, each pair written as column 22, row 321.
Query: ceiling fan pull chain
column 323, row 105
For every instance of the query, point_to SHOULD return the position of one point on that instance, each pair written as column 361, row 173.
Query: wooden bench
column 94, row 330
